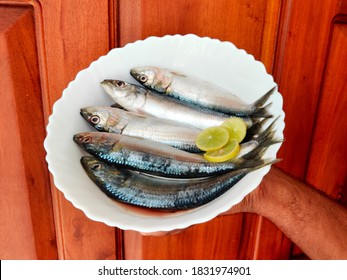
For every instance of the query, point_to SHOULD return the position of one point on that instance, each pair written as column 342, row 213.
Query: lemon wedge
column 225, row 153
column 212, row 138
column 236, row 127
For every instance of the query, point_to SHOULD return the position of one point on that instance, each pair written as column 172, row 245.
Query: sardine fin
column 260, row 110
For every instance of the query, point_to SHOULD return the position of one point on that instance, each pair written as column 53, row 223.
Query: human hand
column 257, row 200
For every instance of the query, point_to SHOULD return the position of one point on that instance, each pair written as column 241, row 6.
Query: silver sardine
column 119, row 121
column 191, row 90
column 156, row 158
column 114, row 120
column 140, row 100
column 156, row 192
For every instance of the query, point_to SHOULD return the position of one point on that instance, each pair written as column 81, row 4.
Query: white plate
column 210, row 59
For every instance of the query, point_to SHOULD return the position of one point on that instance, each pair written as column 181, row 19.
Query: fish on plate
column 119, row 121
column 157, row 192
column 115, row 120
column 157, row 158
column 138, row 99
column 192, row 90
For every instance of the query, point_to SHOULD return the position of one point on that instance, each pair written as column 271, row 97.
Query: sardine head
column 127, row 95
column 96, row 143
column 94, row 168
column 152, row 77
column 101, row 173
column 115, row 87
column 102, row 118
column 96, row 117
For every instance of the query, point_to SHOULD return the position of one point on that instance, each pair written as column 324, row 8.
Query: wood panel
column 327, row 167
column 69, row 36
column 251, row 25
column 27, row 227
column 246, row 23
column 300, row 61
column 204, row 241
column 74, row 33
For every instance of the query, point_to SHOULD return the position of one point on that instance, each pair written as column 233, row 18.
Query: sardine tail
column 266, row 162
column 255, row 129
column 260, row 110
column 265, row 140
column 255, row 165
column 268, row 133
column 262, row 100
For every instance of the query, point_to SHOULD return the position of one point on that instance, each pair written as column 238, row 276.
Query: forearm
column 312, row 221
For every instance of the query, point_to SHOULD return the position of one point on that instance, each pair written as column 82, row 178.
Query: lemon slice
column 212, row 138
column 236, row 127
column 226, row 153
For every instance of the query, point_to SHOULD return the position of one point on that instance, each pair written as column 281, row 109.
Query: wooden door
column 43, row 44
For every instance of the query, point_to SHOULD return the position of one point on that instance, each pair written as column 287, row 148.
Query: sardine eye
column 120, row 84
column 86, row 139
column 96, row 166
column 143, row 78
column 94, row 119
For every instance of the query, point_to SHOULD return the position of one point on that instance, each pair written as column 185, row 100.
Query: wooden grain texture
column 250, row 25
column 241, row 22
column 327, row 166
column 203, row 241
column 300, row 61
column 303, row 42
column 69, row 36
column 27, row 227
column 270, row 33
column 74, row 33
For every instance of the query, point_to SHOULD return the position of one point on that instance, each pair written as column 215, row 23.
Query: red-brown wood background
column 43, row 44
